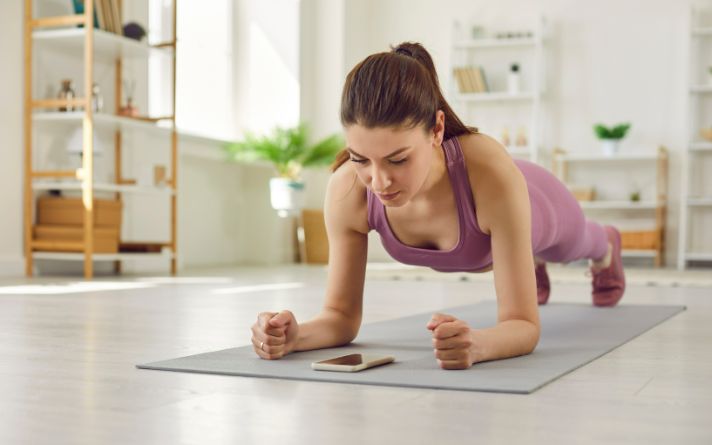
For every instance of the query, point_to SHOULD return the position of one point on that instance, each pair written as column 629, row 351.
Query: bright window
column 228, row 80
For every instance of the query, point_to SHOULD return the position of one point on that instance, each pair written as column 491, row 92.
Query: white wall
column 11, row 148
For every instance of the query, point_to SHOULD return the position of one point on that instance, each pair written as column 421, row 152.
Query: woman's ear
column 439, row 129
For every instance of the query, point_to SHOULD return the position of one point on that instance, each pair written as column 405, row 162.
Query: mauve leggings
column 560, row 231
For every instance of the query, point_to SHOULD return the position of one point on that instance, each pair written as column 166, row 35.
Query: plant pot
column 609, row 146
column 286, row 195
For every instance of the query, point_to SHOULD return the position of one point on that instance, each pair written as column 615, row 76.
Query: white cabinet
column 695, row 243
column 486, row 94
column 638, row 212
column 90, row 52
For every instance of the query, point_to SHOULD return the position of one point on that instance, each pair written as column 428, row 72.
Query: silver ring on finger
column 261, row 346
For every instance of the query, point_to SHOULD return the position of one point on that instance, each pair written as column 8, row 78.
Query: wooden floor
column 67, row 370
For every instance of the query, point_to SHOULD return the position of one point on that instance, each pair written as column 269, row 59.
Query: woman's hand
column 274, row 335
column 456, row 346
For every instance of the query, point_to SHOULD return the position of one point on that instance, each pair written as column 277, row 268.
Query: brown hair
column 398, row 88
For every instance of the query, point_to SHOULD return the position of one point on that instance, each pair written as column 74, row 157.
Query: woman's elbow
column 534, row 337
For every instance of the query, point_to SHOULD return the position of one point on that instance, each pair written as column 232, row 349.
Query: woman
column 445, row 196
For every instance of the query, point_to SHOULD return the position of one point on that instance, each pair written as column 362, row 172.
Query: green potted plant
column 289, row 151
column 610, row 137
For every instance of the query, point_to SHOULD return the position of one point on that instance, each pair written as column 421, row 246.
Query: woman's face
column 394, row 162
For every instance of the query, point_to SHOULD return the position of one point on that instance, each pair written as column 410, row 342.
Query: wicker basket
column 647, row 239
column 706, row 134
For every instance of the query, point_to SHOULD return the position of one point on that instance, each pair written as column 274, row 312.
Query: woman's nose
column 380, row 180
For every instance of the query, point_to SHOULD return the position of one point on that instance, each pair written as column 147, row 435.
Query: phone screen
column 350, row 360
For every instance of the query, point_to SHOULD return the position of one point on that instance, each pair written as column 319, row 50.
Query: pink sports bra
column 473, row 250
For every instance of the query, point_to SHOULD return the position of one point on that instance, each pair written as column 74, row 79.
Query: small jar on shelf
column 67, row 93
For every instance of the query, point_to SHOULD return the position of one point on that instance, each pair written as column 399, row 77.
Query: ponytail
column 399, row 89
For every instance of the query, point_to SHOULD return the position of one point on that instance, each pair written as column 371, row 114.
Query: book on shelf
column 99, row 14
column 472, row 75
column 471, row 79
column 463, row 82
column 116, row 14
column 106, row 14
column 106, row 8
column 483, row 80
column 79, row 9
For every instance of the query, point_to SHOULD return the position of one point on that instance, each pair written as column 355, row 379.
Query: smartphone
column 352, row 362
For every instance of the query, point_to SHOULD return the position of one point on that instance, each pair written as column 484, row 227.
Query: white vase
column 286, row 195
column 513, row 83
column 609, row 146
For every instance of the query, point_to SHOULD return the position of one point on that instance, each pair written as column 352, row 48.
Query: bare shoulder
column 482, row 151
column 345, row 206
column 492, row 174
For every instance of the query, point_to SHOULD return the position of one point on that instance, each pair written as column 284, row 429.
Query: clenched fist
column 454, row 342
column 274, row 335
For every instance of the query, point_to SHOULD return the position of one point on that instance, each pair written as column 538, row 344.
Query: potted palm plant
column 610, row 137
column 289, row 151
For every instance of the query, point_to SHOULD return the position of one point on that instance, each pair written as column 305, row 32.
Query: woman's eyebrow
column 400, row 150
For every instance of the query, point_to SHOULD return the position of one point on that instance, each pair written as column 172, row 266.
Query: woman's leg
column 561, row 233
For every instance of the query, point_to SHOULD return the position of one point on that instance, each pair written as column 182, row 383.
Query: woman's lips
column 388, row 197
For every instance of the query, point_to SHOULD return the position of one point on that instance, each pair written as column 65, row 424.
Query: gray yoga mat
column 572, row 335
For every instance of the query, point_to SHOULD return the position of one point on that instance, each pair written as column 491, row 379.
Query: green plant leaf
column 617, row 132
column 620, row 131
column 323, row 152
column 601, row 131
column 286, row 148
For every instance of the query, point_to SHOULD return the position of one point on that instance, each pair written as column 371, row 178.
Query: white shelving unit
column 696, row 202
column 165, row 254
column 108, row 46
column 103, row 120
column 499, row 54
column 653, row 240
column 72, row 37
column 76, row 185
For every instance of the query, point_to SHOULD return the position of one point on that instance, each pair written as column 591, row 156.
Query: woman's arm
column 346, row 225
column 504, row 207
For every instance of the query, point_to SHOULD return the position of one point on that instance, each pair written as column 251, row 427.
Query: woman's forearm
column 328, row 329
column 509, row 338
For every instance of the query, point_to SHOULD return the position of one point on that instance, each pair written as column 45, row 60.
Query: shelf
column 602, row 158
column 96, row 54
column 701, row 89
column 71, row 256
column 618, row 205
column 693, row 209
column 103, row 120
column 698, row 256
column 518, row 151
column 496, row 43
column 701, row 146
column 699, row 202
column 702, row 32
column 494, row 97
column 107, row 45
column 102, row 187
column 634, row 253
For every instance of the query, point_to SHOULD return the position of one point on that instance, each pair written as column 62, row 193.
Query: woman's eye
column 399, row 161
column 359, row 161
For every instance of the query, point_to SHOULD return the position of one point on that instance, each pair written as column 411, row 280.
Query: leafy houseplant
column 610, row 137
column 289, row 151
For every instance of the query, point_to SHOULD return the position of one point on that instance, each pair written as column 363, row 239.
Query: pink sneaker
column 543, row 288
column 609, row 283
